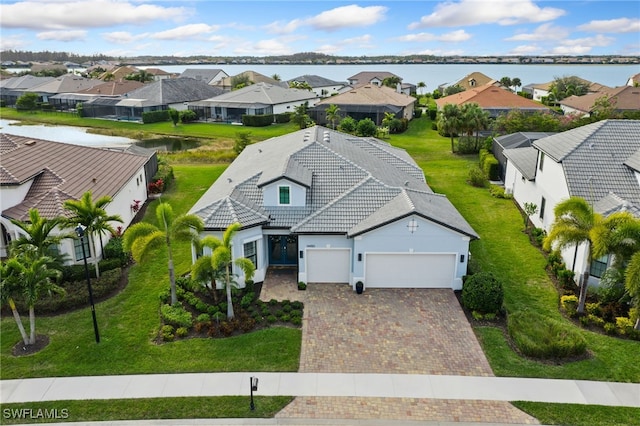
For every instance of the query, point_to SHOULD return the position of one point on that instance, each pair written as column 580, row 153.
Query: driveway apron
column 402, row 331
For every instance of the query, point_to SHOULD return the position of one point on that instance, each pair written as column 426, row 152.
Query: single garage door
column 328, row 265
column 410, row 270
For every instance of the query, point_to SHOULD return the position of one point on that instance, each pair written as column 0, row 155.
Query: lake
column 436, row 74
column 67, row 134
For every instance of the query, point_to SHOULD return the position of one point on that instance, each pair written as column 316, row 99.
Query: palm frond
column 136, row 231
column 247, row 267
column 220, row 257
column 144, row 244
column 231, row 230
column 164, row 214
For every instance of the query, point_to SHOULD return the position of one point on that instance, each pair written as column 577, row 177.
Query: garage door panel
column 409, row 270
column 328, row 265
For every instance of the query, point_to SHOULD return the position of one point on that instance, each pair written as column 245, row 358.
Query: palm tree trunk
column 230, row 313
column 32, row 325
column 637, row 326
column 92, row 251
column 582, row 300
column 16, row 316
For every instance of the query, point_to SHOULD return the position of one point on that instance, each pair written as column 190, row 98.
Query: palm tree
column 474, row 119
column 32, row 278
column 9, row 284
column 450, row 121
column 333, row 113
column 619, row 235
column 93, row 216
column 575, row 224
column 421, row 86
column 38, row 234
column 516, row 82
column 276, row 77
column 222, row 259
column 300, row 116
column 142, row 237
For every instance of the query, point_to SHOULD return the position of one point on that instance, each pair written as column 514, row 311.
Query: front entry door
column 283, row 250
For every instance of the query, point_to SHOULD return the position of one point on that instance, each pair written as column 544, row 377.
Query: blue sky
column 369, row 28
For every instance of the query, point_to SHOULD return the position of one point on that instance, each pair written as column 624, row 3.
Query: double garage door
column 409, row 270
column 383, row 270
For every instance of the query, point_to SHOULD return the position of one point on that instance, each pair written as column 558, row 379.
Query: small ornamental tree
column 366, row 127
column 348, row 125
column 483, row 293
column 27, row 102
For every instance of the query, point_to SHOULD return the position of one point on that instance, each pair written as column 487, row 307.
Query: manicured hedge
column 483, row 293
column 257, row 120
column 489, row 164
column 284, row 117
column 155, row 116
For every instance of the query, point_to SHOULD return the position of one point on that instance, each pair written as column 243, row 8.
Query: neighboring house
column 340, row 209
column 542, row 90
column 118, row 73
column 470, row 81
column 35, row 68
column 12, row 88
column 158, row 74
column 256, row 99
column 252, row 76
column 511, row 141
column 209, row 75
column 108, row 89
column 68, row 83
column 42, row 175
column 176, row 93
column 599, row 162
column 495, row 100
column 322, row 87
column 370, row 77
column 366, row 101
column 624, row 98
column 634, row 80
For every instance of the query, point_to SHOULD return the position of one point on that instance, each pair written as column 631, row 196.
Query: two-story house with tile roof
column 340, row 209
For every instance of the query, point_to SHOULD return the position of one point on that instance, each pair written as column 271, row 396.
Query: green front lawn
column 580, row 415
column 129, row 321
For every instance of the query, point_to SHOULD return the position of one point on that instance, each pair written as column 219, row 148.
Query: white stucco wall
column 329, row 90
column 271, row 193
column 290, row 106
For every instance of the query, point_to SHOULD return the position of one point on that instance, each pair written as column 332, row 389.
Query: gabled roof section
column 230, row 210
column 112, row 88
column 262, row 94
column 370, row 94
column 365, row 77
column 68, row 83
column 23, row 82
column 520, row 139
column 202, row 74
column 61, row 171
column 253, row 77
column 594, row 158
column 624, row 98
column 173, row 90
column 316, row 81
column 611, row 203
column 293, row 171
column 524, row 159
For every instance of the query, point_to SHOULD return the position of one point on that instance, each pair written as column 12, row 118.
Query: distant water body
column 66, row 134
column 434, row 75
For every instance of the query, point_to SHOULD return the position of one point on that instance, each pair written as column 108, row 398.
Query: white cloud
column 74, row 35
column 185, row 32
column 351, row 16
column 451, row 37
column 440, row 52
column 581, row 46
column 263, row 48
column 525, row 49
column 473, row 12
column 83, row 14
column 122, row 37
column 621, row 25
column 543, row 32
column 14, row 42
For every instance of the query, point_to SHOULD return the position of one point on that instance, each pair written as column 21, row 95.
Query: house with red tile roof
column 624, row 98
column 495, row 100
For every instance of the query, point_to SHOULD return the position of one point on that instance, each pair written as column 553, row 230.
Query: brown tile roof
column 68, row 83
column 157, row 71
column 625, row 98
column 60, row 172
column 119, row 73
column 254, row 77
column 489, row 96
column 478, row 78
column 365, row 77
column 113, row 88
column 370, row 94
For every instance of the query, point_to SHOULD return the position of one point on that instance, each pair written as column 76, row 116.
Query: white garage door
column 414, row 270
column 328, row 265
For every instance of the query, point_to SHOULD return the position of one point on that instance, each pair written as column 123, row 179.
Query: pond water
column 67, row 134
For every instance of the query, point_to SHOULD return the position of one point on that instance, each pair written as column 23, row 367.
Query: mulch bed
column 20, row 349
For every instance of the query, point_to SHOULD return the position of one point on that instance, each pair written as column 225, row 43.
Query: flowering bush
column 156, row 187
column 136, row 205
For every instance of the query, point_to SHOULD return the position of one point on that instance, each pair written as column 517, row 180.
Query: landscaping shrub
column 167, row 333
column 417, row 113
column 467, row 145
column 366, row 127
column 491, row 167
column 155, row 116
column 538, row 235
column 348, row 125
column 498, row 192
column 570, row 304
column 113, row 250
column 203, row 318
column 257, row 120
column 433, row 112
column 188, row 116
column 539, row 336
column 182, row 331
column 302, row 285
column 483, row 293
column 284, row 117
column 176, row 315
column 477, row 177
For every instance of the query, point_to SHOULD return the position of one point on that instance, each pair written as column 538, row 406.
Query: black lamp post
column 80, row 233
column 253, row 381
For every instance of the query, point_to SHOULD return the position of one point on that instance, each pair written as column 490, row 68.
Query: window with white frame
column 77, row 248
column 598, row 266
column 251, row 252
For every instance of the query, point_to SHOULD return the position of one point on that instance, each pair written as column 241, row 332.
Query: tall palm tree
column 421, row 86
column 516, row 82
column 333, row 114
column 619, row 235
column 142, row 237
column 222, row 259
column 474, row 119
column 575, row 224
column 33, row 277
column 449, row 121
column 93, row 216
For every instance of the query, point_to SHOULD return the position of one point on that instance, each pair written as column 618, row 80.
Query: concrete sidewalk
column 322, row 385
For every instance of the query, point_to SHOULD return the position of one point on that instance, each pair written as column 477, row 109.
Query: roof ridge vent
column 307, row 136
column 326, row 137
